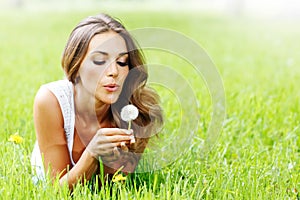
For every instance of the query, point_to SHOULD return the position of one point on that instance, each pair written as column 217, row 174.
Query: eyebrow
column 106, row 54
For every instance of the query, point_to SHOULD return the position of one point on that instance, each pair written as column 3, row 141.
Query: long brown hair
column 134, row 90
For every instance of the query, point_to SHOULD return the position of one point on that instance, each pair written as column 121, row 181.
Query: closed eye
column 122, row 64
column 98, row 62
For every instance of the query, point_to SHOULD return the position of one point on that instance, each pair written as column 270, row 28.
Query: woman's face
column 105, row 67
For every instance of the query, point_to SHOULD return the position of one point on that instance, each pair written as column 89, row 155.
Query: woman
column 77, row 120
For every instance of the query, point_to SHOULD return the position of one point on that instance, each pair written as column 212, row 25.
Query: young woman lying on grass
column 77, row 120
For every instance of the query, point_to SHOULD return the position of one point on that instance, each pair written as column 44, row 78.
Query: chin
column 107, row 98
column 111, row 100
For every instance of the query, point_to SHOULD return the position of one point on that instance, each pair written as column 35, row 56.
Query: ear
column 77, row 79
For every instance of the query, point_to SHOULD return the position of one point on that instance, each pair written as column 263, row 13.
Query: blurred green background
column 254, row 45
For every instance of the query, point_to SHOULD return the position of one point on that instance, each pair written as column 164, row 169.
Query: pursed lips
column 112, row 87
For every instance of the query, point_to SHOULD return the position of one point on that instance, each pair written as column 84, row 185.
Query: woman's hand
column 107, row 141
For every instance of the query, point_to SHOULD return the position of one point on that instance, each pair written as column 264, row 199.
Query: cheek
column 90, row 76
column 89, row 69
column 124, row 72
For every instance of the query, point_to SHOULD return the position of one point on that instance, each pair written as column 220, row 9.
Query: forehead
column 109, row 42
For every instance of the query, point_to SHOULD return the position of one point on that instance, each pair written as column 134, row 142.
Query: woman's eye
column 122, row 64
column 98, row 62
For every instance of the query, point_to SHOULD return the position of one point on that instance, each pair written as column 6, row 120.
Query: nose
column 112, row 69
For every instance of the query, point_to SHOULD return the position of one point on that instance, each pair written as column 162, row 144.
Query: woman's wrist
column 91, row 154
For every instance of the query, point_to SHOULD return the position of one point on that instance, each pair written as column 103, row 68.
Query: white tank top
column 63, row 91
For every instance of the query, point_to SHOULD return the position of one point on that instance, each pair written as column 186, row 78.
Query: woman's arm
column 52, row 141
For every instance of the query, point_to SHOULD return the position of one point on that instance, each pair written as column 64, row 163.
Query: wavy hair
column 134, row 90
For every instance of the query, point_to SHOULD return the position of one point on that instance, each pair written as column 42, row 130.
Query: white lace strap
column 63, row 90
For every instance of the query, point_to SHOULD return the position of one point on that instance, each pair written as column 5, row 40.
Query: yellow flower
column 16, row 138
column 119, row 177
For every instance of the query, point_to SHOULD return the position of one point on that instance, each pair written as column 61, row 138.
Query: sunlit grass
column 257, row 154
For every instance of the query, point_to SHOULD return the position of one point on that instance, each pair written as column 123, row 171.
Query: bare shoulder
column 47, row 112
column 46, row 102
column 44, row 97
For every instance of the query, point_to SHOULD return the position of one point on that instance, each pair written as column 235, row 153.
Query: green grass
column 257, row 154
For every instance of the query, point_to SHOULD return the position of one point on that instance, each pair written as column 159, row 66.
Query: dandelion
column 118, row 178
column 16, row 138
column 129, row 113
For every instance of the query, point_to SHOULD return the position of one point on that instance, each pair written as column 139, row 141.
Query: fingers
column 114, row 131
column 111, row 142
column 132, row 140
column 110, row 149
column 111, row 135
column 117, row 138
column 123, row 144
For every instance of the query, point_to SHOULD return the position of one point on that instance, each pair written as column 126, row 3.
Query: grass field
column 257, row 153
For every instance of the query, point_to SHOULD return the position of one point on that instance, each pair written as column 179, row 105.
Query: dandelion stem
column 129, row 125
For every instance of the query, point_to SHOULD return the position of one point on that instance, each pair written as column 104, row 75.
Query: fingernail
column 127, row 131
column 132, row 139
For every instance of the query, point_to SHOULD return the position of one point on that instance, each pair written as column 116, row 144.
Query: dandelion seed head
column 129, row 112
